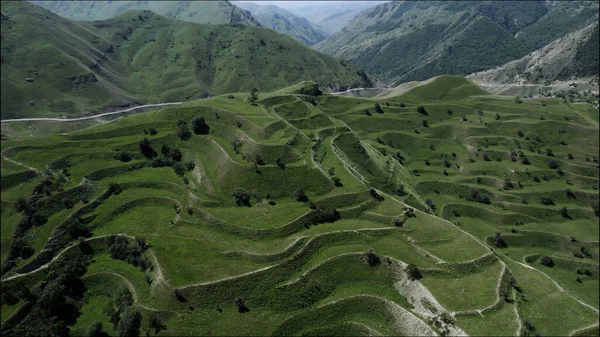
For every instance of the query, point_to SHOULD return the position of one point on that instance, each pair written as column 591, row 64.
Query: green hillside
column 204, row 12
column 435, row 209
column 285, row 22
column 406, row 41
column 69, row 68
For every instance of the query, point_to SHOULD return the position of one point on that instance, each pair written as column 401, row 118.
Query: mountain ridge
column 143, row 57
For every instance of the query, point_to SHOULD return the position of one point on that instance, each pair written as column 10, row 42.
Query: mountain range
column 205, row 12
column 285, row 22
column 63, row 66
column 405, row 41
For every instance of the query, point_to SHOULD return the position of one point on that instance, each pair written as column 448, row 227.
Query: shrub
column 552, row 164
column 183, row 131
column 547, row 261
column 424, row 124
column 400, row 190
column 241, row 306
column 190, row 165
column 123, row 156
column 378, row 108
column 547, row 201
column 479, row 196
column 241, row 197
column 299, row 195
column 413, row 272
column 371, row 258
column 499, row 241
column 199, row 125
column 178, row 168
column 145, row 148
column 429, row 203
column 564, row 213
column 153, row 131
column 375, row 195
column 336, row 181
column 421, row 110
column 518, row 99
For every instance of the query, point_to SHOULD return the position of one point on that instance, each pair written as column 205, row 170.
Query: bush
column 499, row 241
column 241, row 197
column 378, row 108
column 424, row 124
column 199, row 125
column 518, row 99
column 413, row 272
column 479, row 196
column 552, row 164
column 152, row 131
column 178, row 168
column 183, row 131
column 371, row 258
column 190, row 165
column 375, row 195
column 547, row 201
column 547, row 261
column 123, row 156
column 241, row 306
column 421, row 110
column 337, row 181
column 400, row 190
column 299, row 195
column 145, row 149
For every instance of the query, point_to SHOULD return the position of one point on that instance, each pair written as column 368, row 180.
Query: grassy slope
column 316, row 272
column 144, row 57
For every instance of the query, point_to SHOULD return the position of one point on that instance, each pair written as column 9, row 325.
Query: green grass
column 287, row 269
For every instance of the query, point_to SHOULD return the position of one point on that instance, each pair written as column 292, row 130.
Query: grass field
column 316, row 187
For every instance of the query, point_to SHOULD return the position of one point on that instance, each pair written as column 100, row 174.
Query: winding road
column 88, row 117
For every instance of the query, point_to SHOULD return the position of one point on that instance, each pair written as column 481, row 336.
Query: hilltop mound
column 59, row 66
column 440, row 88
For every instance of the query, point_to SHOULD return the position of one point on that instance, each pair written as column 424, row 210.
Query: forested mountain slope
column 404, row 41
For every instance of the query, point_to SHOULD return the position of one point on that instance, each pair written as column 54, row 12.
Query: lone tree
column 199, row 126
column 253, row 95
column 378, row 108
column 371, row 258
column 145, row 148
column 413, row 272
column 421, row 110
column 241, row 306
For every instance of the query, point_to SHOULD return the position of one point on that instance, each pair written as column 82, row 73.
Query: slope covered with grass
column 433, row 210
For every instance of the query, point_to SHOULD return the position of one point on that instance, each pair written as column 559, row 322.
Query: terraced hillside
column 439, row 209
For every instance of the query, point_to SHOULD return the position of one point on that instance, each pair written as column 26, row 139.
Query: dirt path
column 131, row 288
column 19, row 163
